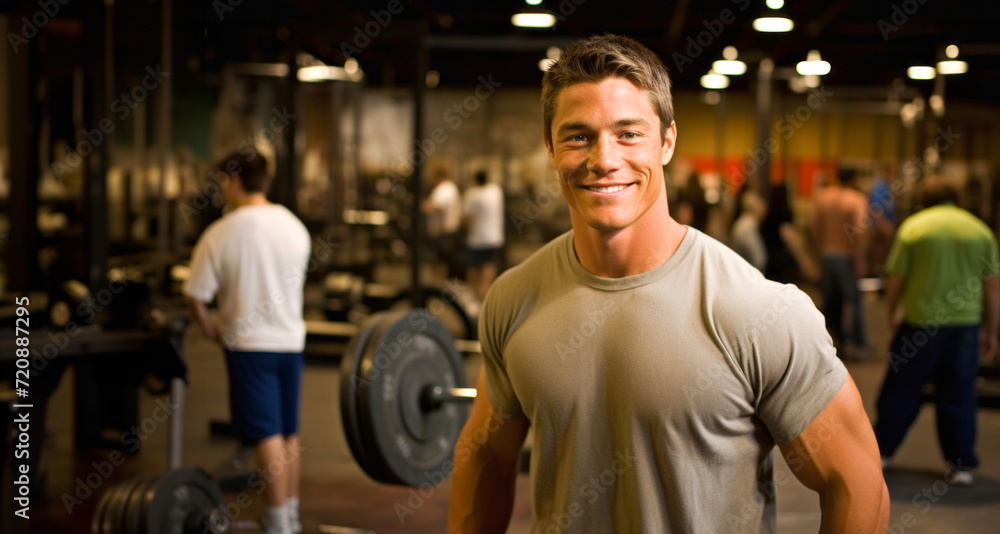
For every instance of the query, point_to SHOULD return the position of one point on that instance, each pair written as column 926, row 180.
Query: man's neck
column 642, row 247
column 251, row 199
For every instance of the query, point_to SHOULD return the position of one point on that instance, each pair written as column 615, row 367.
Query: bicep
column 488, row 431
column 838, row 446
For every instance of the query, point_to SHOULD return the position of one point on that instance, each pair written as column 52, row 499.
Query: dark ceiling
column 868, row 42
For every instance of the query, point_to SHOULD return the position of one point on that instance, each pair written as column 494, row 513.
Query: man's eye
column 630, row 135
column 579, row 138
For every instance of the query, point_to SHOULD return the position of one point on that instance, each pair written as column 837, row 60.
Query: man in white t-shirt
column 444, row 210
column 484, row 238
column 253, row 262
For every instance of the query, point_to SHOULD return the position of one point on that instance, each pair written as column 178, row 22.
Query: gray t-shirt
column 655, row 400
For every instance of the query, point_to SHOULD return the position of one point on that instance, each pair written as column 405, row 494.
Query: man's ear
column 669, row 142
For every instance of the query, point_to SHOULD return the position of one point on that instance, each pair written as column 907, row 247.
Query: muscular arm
column 837, row 456
column 200, row 313
column 486, row 461
column 990, row 328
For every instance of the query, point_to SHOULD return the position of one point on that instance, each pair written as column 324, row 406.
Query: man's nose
column 605, row 156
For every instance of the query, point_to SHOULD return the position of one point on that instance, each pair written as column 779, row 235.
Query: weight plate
column 184, row 500
column 97, row 520
column 136, row 502
column 455, row 306
column 408, row 353
column 350, row 370
column 112, row 512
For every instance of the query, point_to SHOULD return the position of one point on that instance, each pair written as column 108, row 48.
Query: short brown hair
column 936, row 189
column 251, row 168
column 606, row 56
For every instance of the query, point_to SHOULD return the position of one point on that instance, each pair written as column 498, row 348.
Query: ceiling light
column 813, row 65
column 322, row 73
column 533, row 2
column 951, row 51
column 775, row 4
column 952, row 66
column 773, row 24
column 921, row 72
column 714, row 80
column 533, row 20
column 730, row 65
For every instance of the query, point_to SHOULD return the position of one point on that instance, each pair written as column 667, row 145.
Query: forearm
column 200, row 313
column 861, row 510
column 482, row 491
column 991, row 306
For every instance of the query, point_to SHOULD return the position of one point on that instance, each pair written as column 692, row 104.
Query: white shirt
column 484, row 211
column 447, row 203
column 255, row 259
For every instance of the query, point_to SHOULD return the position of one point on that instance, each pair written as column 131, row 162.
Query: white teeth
column 612, row 189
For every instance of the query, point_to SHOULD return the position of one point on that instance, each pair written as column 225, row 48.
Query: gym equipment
column 401, row 382
column 184, row 500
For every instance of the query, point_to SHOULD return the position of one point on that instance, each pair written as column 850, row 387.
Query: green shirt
column 944, row 253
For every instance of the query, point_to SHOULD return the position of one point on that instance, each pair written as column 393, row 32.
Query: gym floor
column 336, row 492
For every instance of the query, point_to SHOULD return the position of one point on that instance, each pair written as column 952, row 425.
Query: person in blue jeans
column 944, row 269
column 253, row 262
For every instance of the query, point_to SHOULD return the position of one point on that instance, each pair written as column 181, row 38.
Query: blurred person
column 443, row 206
column 788, row 259
column 636, row 347
column 693, row 208
column 253, row 262
column 943, row 268
column 745, row 237
column 838, row 212
column 484, row 213
column 882, row 208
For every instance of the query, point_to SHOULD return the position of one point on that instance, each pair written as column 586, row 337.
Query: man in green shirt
column 944, row 266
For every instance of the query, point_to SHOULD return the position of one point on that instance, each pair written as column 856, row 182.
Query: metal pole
column 163, row 142
column 417, row 218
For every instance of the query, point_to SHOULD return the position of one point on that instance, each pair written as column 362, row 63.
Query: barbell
column 403, row 402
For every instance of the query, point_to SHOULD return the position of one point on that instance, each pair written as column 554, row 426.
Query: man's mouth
column 605, row 189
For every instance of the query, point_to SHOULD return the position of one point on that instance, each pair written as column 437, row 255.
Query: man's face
column 607, row 149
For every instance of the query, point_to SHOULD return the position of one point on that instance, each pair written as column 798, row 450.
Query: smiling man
column 656, row 368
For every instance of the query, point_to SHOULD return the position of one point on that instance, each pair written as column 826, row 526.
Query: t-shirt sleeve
column 499, row 389
column 898, row 261
column 797, row 370
column 203, row 282
column 991, row 261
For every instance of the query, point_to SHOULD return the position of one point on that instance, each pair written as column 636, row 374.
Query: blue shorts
column 264, row 393
column 477, row 257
